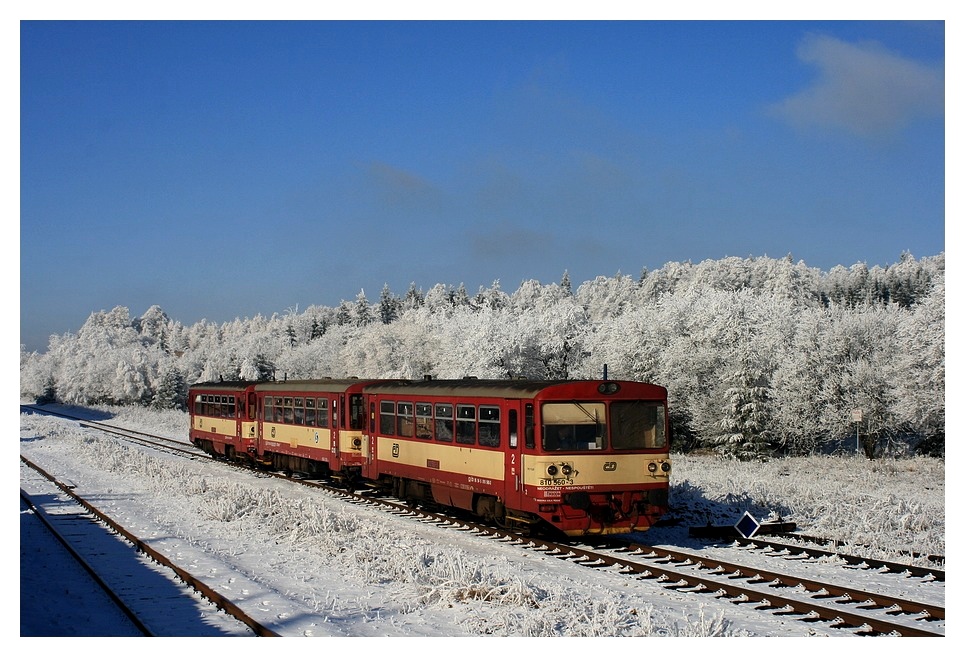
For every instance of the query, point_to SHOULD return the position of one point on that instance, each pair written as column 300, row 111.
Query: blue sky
column 228, row 169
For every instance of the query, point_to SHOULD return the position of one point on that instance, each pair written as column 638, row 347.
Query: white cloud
column 862, row 88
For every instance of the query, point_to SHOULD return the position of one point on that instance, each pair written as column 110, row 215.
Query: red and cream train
column 583, row 457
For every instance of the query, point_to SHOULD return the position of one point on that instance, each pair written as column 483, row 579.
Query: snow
column 308, row 564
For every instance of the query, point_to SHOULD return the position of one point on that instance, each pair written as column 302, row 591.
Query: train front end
column 601, row 463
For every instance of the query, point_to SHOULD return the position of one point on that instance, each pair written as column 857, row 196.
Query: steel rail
column 784, row 579
column 937, row 558
column 132, row 434
column 890, row 566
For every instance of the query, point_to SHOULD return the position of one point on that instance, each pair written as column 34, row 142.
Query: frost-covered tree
column 631, row 345
column 363, row 311
column 459, row 297
column 344, row 314
column 256, row 368
column 605, row 298
column 318, row 328
column 389, row 306
column 566, row 284
column 918, row 371
column 413, row 298
column 492, row 297
column 171, row 390
column 743, row 426
column 839, row 362
column 48, row 393
column 153, row 327
column 403, row 349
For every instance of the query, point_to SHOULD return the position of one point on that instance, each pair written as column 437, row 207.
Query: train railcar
column 583, row 457
column 313, row 427
column 222, row 418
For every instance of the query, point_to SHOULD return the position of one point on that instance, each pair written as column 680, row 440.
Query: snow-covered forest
column 758, row 354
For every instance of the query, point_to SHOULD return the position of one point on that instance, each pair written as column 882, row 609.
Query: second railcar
column 313, row 427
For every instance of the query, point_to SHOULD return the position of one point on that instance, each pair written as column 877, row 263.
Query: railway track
column 142, row 437
column 780, row 548
column 76, row 578
column 159, row 597
column 864, row 612
column 806, row 599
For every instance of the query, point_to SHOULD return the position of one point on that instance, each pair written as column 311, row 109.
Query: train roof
column 311, row 385
column 223, row 385
column 503, row 388
column 468, row 387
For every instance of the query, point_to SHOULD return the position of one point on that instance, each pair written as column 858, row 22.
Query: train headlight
column 665, row 466
column 552, row 470
column 608, row 388
column 652, row 467
column 567, row 470
column 357, row 443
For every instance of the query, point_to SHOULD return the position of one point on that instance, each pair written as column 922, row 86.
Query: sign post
column 856, row 415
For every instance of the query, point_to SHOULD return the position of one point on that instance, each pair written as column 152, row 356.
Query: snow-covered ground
column 307, row 564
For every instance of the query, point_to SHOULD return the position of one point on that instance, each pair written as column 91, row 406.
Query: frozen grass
column 892, row 506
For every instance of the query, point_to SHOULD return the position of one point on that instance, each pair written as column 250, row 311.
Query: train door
column 514, row 471
column 334, row 430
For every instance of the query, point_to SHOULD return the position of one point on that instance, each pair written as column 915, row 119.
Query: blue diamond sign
column 747, row 526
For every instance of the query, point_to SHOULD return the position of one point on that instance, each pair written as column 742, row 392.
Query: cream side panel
column 596, row 470
column 296, row 436
column 482, row 463
column 224, row 426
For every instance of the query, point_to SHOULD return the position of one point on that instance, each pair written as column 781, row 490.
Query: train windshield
column 574, row 426
column 582, row 426
column 638, row 424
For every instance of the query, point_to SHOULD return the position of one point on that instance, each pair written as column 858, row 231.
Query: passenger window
column 489, row 427
column 444, row 426
column 406, row 425
column 387, row 418
column 423, row 421
column 466, row 424
column 299, row 410
column 309, row 412
column 321, row 417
